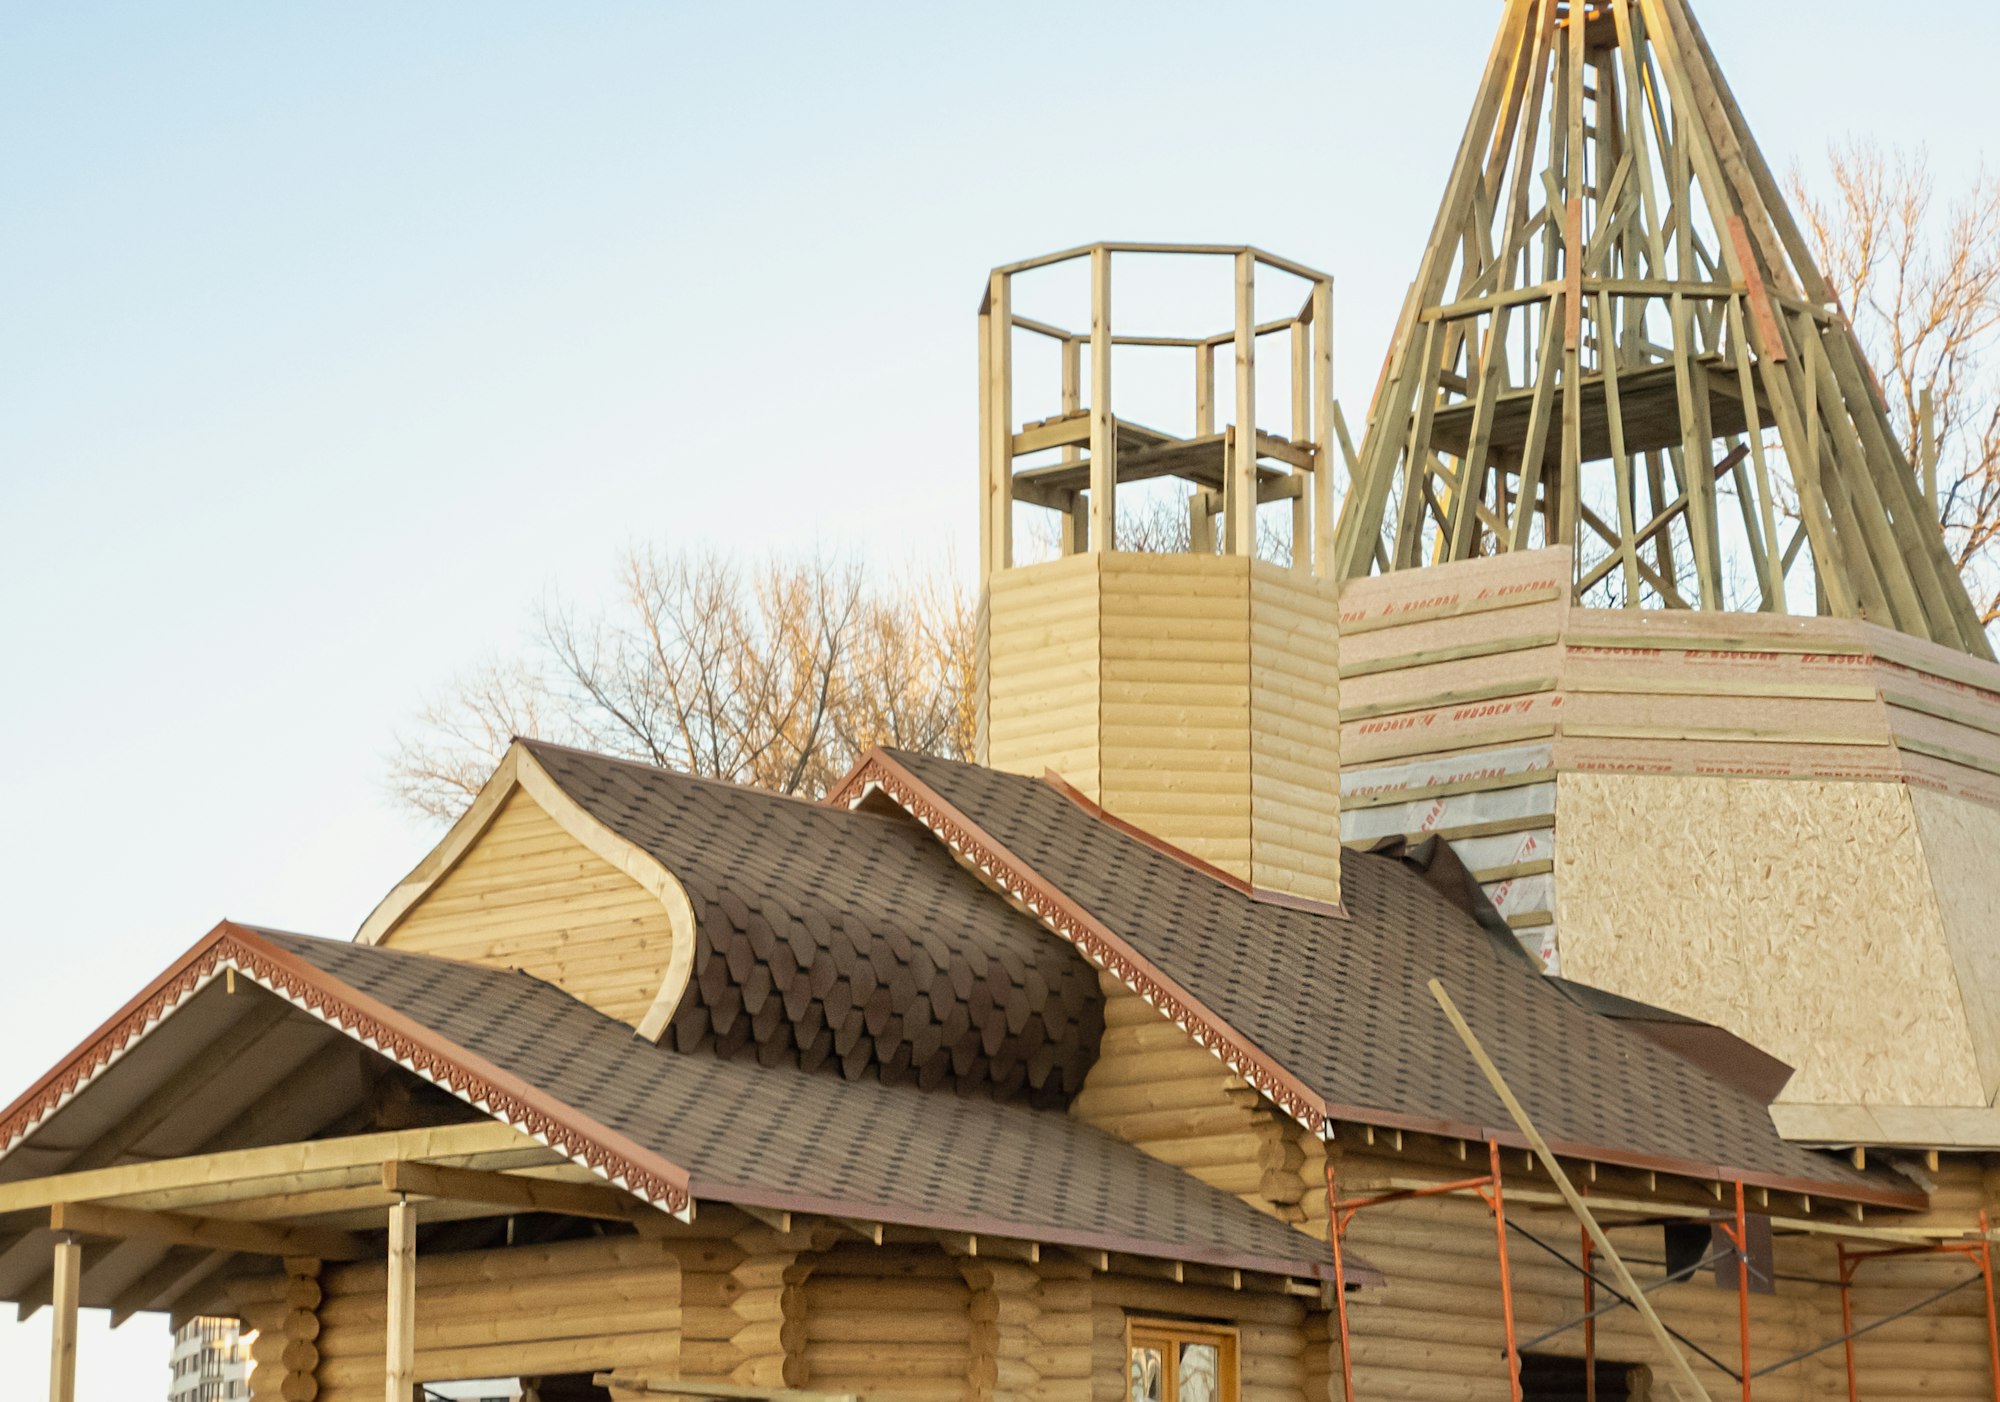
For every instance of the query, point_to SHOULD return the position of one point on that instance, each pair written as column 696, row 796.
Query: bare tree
column 780, row 675
column 1920, row 278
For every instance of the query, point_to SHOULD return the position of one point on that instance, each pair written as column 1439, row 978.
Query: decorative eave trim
column 979, row 852
column 473, row 1080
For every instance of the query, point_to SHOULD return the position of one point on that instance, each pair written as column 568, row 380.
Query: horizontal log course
column 449, row 1336
column 560, row 1356
column 888, row 1360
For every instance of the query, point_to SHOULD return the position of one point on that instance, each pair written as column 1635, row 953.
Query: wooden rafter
column 209, row 1233
column 1613, row 302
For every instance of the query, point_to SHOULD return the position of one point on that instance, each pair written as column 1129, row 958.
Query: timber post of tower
column 1159, row 611
column 1618, row 343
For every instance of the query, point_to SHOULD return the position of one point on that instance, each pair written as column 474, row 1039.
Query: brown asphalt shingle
column 847, row 942
column 780, row 1137
column 1343, row 1003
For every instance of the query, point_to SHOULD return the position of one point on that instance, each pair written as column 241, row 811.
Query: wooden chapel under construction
column 1526, row 935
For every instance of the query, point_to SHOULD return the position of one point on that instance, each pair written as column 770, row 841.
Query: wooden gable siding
column 527, row 895
column 1154, row 1088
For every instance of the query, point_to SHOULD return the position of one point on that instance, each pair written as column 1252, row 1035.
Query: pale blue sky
column 332, row 335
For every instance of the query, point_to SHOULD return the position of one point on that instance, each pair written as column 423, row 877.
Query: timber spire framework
column 1618, row 341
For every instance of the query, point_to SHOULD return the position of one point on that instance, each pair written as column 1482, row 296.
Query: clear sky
column 333, row 335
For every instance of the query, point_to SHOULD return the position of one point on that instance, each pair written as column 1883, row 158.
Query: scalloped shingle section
column 847, row 942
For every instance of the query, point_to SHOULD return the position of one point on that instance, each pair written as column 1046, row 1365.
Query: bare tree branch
column 1920, row 278
column 781, row 675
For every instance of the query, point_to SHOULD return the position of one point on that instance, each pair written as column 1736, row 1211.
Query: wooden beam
column 1687, row 1379
column 1240, row 498
column 605, row 1204
column 1103, row 426
column 212, row 1233
column 283, row 1161
column 400, row 1365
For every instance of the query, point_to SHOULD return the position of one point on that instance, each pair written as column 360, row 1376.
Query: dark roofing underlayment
column 830, row 937
column 781, row 1138
column 1343, row 1003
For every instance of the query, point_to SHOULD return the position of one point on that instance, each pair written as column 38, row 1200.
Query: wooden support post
column 1075, row 525
column 1103, row 425
column 62, row 1333
column 989, row 496
column 999, row 404
column 1302, row 504
column 400, row 1366
column 1325, row 487
column 1242, row 467
column 1684, row 1371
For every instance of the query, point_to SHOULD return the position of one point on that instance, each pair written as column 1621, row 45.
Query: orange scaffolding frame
column 1735, row 1228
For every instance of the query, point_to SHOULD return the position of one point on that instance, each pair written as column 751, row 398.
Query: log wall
column 1154, row 1088
column 572, row 1307
column 894, row 1322
column 527, row 895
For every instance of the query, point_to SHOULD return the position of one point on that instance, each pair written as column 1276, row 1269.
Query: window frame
column 1167, row 1335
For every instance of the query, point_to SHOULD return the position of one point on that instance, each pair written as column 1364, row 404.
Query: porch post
column 62, row 1347
column 400, row 1368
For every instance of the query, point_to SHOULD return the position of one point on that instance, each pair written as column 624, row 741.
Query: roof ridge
column 1261, row 894
column 661, row 771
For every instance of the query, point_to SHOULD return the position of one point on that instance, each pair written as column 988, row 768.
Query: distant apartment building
column 210, row 1362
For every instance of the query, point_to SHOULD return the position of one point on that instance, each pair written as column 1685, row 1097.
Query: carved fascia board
column 238, row 949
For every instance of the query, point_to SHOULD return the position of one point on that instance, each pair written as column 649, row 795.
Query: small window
column 1172, row 1362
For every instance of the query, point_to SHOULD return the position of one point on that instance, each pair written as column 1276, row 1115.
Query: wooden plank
column 62, row 1341
column 400, row 1332
column 1325, row 488
column 511, row 1190
column 1629, row 1287
column 1240, row 498
column 209, row 1233
column 1103, row 426
column 246, row 1166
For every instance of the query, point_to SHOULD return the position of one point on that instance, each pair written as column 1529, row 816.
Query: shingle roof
column 1343, row 1003
column 842, row 940
column 779, row 1137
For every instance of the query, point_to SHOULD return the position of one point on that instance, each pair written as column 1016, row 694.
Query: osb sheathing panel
column 1962, row 847
column 1798, row 914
